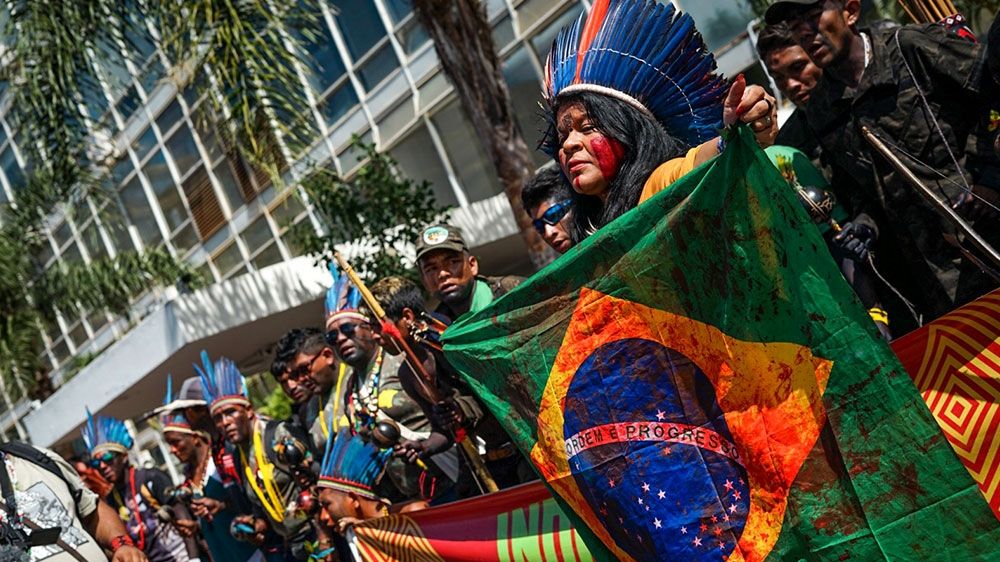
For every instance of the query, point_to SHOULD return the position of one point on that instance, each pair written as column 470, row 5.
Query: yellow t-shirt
column 667, row 173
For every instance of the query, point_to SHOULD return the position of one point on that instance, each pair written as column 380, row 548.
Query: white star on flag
column 640, row 501
column 645, row 487
column 684, row 530
column 696, row 541
column 732, row 508
column 728, row 485
column 660, row 415
column 661, row 494
column 657, row 523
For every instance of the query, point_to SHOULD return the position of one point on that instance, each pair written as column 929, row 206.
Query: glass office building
column 375, row 74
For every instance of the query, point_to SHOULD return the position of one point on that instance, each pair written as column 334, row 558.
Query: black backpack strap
column 37, row 457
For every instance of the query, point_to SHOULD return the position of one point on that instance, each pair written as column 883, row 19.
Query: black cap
column 778, row 11
column 440, row 237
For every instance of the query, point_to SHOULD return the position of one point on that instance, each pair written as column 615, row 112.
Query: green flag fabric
column 696, row 381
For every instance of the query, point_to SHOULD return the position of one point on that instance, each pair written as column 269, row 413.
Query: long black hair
column 646, row 145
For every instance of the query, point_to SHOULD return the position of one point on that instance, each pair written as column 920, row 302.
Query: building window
column 163, row 186
column 542, row 41
column 418, row 159
column 287, row 211
column 92, row 241
column 466, row 154
column 258, row 234
column 337, row 103
column 144, row 143
column 228, row 259
column 230, row 187
column 139, row 212
column 378, row 67
column 182, row 147
column 170, row 117
column 324, row 64
column 15, row 178
column 185, row 239
column 360, row 25
column 205, row 208
column 719, row 23
column 525, row 93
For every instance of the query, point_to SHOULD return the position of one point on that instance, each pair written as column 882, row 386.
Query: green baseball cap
column 440, row 237
column 778, row 11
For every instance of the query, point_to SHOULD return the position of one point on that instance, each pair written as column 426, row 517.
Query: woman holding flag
column 625, row 106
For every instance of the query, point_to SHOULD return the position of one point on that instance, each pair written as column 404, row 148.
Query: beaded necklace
column 365, row 401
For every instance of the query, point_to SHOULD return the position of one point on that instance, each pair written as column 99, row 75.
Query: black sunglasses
column 553, row 215
column 347, row 328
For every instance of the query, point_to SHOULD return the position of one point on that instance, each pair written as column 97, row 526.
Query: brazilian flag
column 696, row 381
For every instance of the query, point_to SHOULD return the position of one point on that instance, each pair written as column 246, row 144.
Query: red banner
column 954, row 361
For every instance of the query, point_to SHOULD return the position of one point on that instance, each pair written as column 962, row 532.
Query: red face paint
column 609, row 153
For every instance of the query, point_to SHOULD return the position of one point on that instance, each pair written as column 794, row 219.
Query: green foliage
column 251, row 57
column 30, row 297
column 378, row 210
column 276, row 405
column 57, row 53
column 111, row 283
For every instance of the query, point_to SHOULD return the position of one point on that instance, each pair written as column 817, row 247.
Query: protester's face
column 291, row 383
column 588, row 158
column 182, row 445
column 557, row 235
column 319, row 370
column 336, row 505
column 111, row 466
column 794, row 73
column 355, row 342
column 234, row 422
column 449, row 275
column 824, row 30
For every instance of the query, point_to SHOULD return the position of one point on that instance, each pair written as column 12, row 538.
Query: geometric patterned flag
column 955, row 363
column 696, row 381
column 520, row 524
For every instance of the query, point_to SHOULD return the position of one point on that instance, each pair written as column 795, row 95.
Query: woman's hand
column 752, row 105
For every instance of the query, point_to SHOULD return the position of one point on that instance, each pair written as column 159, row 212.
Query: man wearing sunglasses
column 314, row 365
column 372, row 392
column 549, row 203
column 294, row 378
column 451, row 274
column 137, row 494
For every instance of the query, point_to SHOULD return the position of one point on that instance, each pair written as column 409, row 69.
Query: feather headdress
column 101, row 434
column 352, row 465
column 645, row 54
column 342, row 299
column 222, row 384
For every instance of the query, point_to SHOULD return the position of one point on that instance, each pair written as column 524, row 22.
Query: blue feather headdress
column 103, row 434
column 342, row 299
column 352, row 465
column 222, row 384
column 645, row 54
